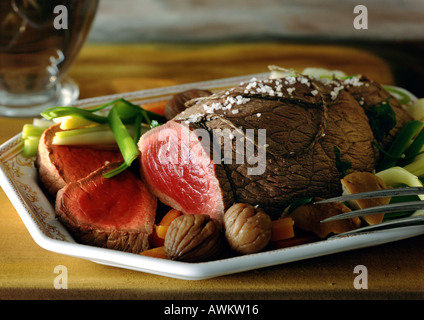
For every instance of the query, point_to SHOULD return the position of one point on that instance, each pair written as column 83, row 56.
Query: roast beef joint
column 306, row 122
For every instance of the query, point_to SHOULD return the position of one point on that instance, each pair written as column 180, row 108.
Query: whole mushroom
column 193, row 238
column 246, row 228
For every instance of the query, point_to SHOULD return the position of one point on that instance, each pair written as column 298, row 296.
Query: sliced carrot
column 155, row 241
column 282, row 229
column 161, row 231
column 158, row 252
column 291, row 242
column 169, row 217
column 157, row 238
column 156, row 106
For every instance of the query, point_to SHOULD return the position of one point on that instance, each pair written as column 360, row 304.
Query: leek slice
column 74, row 122
column 30, row 147
column 397, row 176
column 30, row 130
column 401, row 96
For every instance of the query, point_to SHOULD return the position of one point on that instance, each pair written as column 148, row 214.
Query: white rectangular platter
column 18, row 178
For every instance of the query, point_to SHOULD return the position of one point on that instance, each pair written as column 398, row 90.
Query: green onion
column 381, row 118
column 128, row 110
column 57, row 112
column 298, row 203
column 126, row 143
column 154, row 124
column 107, row 130
column 400, row 144
column 342, row 166
column 414, row 149
column 401, row 96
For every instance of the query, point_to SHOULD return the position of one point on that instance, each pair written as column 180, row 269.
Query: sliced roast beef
column 305, row 122
column 59, row 165
column 115, row 213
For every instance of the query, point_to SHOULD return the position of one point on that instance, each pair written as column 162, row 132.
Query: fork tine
column 402, row 222
column 407, row 191
column 394, row 207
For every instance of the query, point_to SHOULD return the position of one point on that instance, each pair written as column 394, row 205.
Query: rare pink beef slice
column 59, row 165
column 306, row 122
column 115, row 213
column 180, row 172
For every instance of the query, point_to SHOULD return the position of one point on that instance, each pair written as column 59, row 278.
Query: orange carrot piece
column 161, row 231
column 155, row 241
column 169, row 217
column 282, row 229
column 158, row 252
column 157, row 238
column 156, row 106
column 295, row 241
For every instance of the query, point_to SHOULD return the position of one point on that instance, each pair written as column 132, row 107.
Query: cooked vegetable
column 169, row 217
column 414, row 149
column 396, row 176
column 401, row 96
column 30, row 130
column 357, row 182
column 30, row 146
column 98, row 136
column 246, row 228
column 31, row 134
column 400, row 144
column 416, row 168
column 158, row 236
column 382, row 119
column 58, row 112
column 158, row 252
column 74, row 122
column 282, row 229
column 193, row 238
column 416, row 109
column 308, row 218
column 87, row 127
column 125, row 142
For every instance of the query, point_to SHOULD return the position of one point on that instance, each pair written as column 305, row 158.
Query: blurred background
column 395, row 27
column 211, row 20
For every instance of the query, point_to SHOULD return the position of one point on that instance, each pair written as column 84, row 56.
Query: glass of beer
column 39, row 40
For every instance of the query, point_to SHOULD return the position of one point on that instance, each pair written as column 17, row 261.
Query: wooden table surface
column 395, row 270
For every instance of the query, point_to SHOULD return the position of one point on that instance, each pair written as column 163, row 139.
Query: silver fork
column 394, row 207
